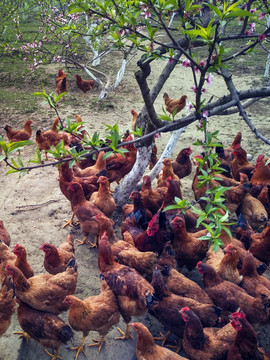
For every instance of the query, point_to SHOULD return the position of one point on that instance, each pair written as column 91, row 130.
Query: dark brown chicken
column 152, row 198
column 46, row 328
column 61, row 82
column 227, row 153
column 182, row 165
column 4, row 235
column 205, row 343
column 240, row 163
column 134, row 294
column 56, row 260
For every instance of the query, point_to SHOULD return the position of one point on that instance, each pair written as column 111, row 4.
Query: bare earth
column 34, row 209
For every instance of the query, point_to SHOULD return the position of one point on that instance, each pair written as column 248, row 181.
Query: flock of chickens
column 141, row 272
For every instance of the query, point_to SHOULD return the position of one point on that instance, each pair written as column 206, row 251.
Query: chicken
column 264, row 198
column 153, row 158
column 173, row 105
column 134, row 119
column 257, row 243
column 6, row 257
column 45, row 292
column 252, row 282
column 99, row 165
column 230, row 297
column 7, row 308
column 118, row 166
column 84, row 85
column 126, row 253
column 4, row 235
column 103, row 198
column 240, row 163
column 48, row 138
column 261, row 173
column 56, row 260
column 178, row 283
column 46, row 328
column 137, row 210
column 94, row 313
column 85, row 211
column 210, row 343
column 225, row 263
column 168, row 305
column 167, row 171
column 253, row 211
column 182, row 165
column 152, row 198
column 146, row 349
column 227, row 153
column 15, row 135
column 61, row 82
column 134, row 293
column 245, row 345
column 21, row 261
column 236, row 195
column 187, row 246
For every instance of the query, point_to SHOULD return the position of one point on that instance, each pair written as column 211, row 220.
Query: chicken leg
column 98, row 342
column 23, row 334
column 79, row 348
column 126, row 335
column 54, row 356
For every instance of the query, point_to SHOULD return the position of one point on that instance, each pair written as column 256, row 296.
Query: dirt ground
column 34, row 209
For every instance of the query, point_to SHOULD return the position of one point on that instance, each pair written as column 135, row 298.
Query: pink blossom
column 193, row 88
column 24, row 59
column 200, row 123
column 196, row 69
column 252, row 11
column 170, row 60
column 151, row 46
column 261, row 16
column 248, row 32
column 240, row 21
column 262, row 37
column 203, row 90
column 121, row 32
column 157, row 135
column 209, row 79
column 205, row 114
column 19, row 36
column 202, row 63
column 188, row 107
column 252, row 26
column 186, row 63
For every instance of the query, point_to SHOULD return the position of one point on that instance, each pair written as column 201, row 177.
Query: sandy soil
column 34, row 209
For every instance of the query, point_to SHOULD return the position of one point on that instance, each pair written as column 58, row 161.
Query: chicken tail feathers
column 150, row 300
column 217, row 310
column 66, row 334
column 64, row 82
column 72, row 264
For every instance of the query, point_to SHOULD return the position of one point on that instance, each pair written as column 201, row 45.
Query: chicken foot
column 126, row 335
column 70, row 222
column 163, row 337
column 93, row 245
column 23, row 334
column 98, row 342
column 79, row 348
column 54, row 356
column 83, row 241
column 177, row 347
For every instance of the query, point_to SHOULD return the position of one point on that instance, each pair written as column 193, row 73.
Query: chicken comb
column 198, row 264
column 153, row 220
column 129, row 138
column 16, row 246
column 237, row 146
column 238, row 314
column 260, row 157
column 228, row 247
column 186, row 308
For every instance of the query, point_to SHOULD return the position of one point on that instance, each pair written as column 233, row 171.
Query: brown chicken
column 48, row 138
column 61, row 82
column 227, row 153
column 168, row 305
column 229, row 296
column 182, row 165
column 152, row 198
column 252, row 282
column 85, row 211
column 187, row 246
column 240, row 163
column 153, row 158
column 46, row 328
column 45, row 292
column 174, row 105
column 21, row 261
column 7, row 308
column 210, row 343
column 137, row 210
column 264, row 198
column 126, row 253
column 4, row 235
column 261, row 173
column 118, row 166
column 103, row 198
column 167, row 172
column 84, row 85
column 245, row 345
column 19, row 135
column 6, row 257
column 225, row 263
column 236, row 195
column 56, row 260
column 134, row 294
column 94, row 313
column 99, row 165
column 146, row 349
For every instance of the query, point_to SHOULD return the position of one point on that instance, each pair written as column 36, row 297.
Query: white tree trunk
column 267, row 65
column 129, row 183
